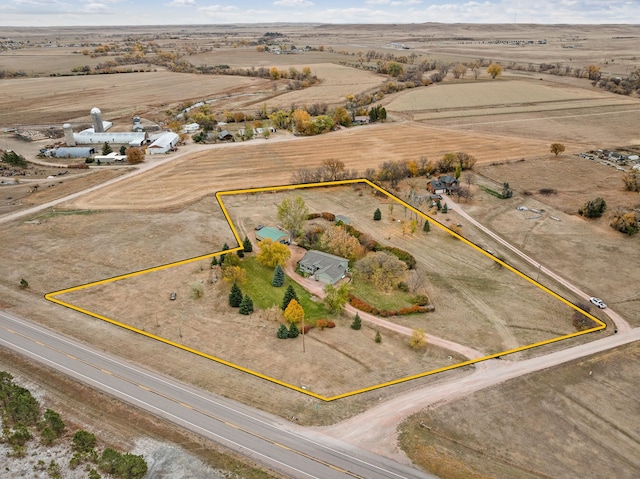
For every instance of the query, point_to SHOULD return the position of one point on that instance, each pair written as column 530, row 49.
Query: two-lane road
column 252, row 433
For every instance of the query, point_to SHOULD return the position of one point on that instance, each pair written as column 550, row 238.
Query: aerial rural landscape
column 392, row 250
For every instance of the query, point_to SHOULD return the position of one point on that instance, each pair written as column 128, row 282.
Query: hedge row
column 402, row 255
column 324, row 215
column 367, row 308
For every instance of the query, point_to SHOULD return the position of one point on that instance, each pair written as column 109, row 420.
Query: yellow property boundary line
column 53, row 296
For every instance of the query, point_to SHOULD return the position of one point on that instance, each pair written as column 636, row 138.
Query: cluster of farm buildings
column 85, row 143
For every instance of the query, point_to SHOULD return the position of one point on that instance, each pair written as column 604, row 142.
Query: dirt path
column 316, row 288
column 376, row 429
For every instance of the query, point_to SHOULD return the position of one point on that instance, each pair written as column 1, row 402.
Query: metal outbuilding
column 116, row 137
column 164, row 143
column 74, row 152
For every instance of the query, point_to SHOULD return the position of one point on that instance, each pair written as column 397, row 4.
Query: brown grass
column 520, row 429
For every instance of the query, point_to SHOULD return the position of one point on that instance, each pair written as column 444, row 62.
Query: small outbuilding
column 274, row 234
column 74, row 152
column 164, row 143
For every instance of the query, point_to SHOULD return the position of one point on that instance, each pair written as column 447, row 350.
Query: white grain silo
column 96, row 117
column 68, row 134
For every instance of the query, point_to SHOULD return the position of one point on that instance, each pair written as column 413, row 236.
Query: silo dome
column 96, row 116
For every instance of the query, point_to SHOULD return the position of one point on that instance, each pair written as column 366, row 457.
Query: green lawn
column 259, row 289
column 393, row 300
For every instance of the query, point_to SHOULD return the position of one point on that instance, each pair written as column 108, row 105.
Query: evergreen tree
column 357, row 322
column 246, row 306
column 248, row 247
column 445, row 208
column 106, row 149
column 289, row 294
column 377, row 214
column 283, row 332
column 278, row 277
column 235, row 296
column 293, row 331
column 225, row 247
column 214, row 261
column 378, row 338
column 240, row 253
column 123, row 150
column 427, row 227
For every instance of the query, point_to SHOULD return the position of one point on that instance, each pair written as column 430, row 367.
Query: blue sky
column 171, row 12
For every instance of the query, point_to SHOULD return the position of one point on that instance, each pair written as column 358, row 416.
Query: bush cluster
column 385, row 313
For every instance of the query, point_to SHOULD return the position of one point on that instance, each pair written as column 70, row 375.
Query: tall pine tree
column 377, row 214
column 225, row 247
column 289, row 294
column 278, row 277
column 246, row 306
column 235, row 296
column 427, row 227
column 246, row 244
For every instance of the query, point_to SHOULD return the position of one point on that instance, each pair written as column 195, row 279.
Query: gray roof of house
column 324, row 263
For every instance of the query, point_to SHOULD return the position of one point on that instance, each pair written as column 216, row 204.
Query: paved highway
column 262, row 437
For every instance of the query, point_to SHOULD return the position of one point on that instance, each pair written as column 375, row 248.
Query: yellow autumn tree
column 294, row 312
column 272, row 254
column 494, row 70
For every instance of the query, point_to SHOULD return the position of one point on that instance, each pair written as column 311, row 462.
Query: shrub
column 328, row 216
column 402, row 255
column 331, row 324
column 293, row 331
column 357, row 322
column 83, row 442
column 402, row 286
column 283, row 332
column 378, row 338
column 306, row 328
column 593, row 208
column 321, row 323
column 421, row 300
column 625, row 223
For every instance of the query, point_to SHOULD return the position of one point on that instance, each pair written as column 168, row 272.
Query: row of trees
column 21, row 418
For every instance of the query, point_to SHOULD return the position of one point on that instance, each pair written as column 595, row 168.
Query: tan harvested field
column 58, row 100
column 545, row 424
column 267, row 163
column 500, row 96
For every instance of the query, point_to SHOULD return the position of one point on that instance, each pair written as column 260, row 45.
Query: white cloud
column 180, row 3
column 293, row 3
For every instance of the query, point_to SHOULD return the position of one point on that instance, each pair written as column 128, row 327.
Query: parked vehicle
column 598, row 302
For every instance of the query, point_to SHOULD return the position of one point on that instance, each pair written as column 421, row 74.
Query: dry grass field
column 478, row 304
column 547, row 420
